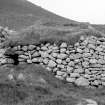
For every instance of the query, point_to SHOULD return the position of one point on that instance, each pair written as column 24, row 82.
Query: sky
column 92, row 11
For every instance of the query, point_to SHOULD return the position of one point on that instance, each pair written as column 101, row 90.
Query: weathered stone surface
column 91, row 46
column 29, row 61
column 19, row 52
column 45, row 61
column 82, row 82
column 52, row 58
column 79, row 70
column 85, row 64
column 21, row 76
column 36, row 54
column 91, row 102
column 3, row 61
column 34, row 60
column 73, row 75
column 86, row 55
column 93, row 61
column 79, row 50
column 55, row 48
column 59, row 61
column 82, row 38
column 23, row 56
column 68, row 60
column 60, row 73
column 59, row 77
column 21, row 60
column 15, row 48
column 63, row 45
column 62, row 56
column 44, row 54
column 25, row 48
column 69, row 69
column 19, row 47
column 101, row 61
column 62, row 50
column 71, row 63
column 86, row 50
column 60, row 66
column 64, row 62
column 96, row 82
column 99, row 49
column 68, row 79
column 44, row 48
column 51, row 64
column 103, row 83
column 54, row 54
column 82, row 63
column 10, row 61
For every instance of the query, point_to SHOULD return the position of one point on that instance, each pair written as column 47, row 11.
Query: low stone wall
column 82, row 64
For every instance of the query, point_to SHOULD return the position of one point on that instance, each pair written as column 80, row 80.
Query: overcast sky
column 92, row 11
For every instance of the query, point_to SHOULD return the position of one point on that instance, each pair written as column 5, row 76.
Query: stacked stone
column 3, row 59
column 82, row 64
column 4, row 33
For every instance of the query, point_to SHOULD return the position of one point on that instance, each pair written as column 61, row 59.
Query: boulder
column 81, row 81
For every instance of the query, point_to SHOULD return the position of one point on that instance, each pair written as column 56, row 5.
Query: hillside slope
column 18, row 14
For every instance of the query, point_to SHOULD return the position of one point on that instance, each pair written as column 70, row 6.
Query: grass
column 44, row 27
column 32, row 91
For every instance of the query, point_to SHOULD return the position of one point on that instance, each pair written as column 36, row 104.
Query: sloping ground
column 41, row 88
column 18, row 14
column 54, row 34
column 99, row 27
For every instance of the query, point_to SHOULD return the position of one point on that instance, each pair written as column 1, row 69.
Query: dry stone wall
column 82, row 64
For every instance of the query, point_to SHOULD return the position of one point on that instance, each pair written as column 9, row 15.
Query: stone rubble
column 82, row 63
